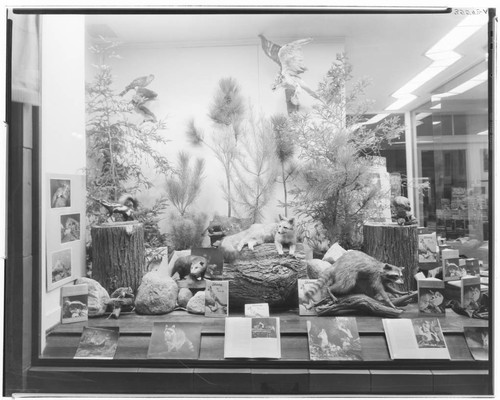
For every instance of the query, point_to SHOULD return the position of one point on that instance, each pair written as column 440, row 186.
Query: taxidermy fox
column 282, row 233
column 358, row 273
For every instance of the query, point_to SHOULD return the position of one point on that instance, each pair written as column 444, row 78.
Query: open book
column 98, row 343
column 419, row 338
column 252, row 338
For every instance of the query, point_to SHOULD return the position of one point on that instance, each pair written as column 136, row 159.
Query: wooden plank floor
column 135, row 333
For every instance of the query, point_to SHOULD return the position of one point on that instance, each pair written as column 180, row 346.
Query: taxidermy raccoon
column 358, row 273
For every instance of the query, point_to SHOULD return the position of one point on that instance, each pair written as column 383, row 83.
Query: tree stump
column 394, row 244
column 118, row 255
column 263, row 276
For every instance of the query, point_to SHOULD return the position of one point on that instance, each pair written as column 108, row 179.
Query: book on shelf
column 427, row 249
column 472, row 266
column 252, row 338
column 98, row 343
column 418, row 338
column 333, row 339
column 176, row 340
column 477, row 339
column 74, row 303
column 217, row 299
column 470, row 293
column 215, row 260
column 258, row 310
column 431, row 296
column 306, row 304
column 453, row 269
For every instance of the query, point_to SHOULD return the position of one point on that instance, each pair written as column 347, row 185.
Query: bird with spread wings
column 289, row 58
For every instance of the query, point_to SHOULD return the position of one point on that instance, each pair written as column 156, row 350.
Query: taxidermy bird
column 289, row 58
column 125, row 207
column 141, row 82
column 141, row 97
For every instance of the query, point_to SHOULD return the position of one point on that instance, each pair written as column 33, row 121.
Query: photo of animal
column 264, row 328
column 358, row 273
column 61, row 265
column 75, row 307
column 70, row 228
column 428, row 333
column 216, row 298
column 190, row 266
column 60, row 193
column 98, row 343
column 431, row 301
column 471, row 297
column 179, row 340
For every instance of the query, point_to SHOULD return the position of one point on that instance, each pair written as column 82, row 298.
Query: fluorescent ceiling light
column 466, row 86
column 421, row 116
column 482, row 133
column 436, row 107
column 375, row 119
column 443, row 55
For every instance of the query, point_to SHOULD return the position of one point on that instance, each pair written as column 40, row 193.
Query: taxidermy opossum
column 194, row 266
column 358, row 273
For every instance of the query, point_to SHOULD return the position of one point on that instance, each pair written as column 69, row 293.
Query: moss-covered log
column 263, row 276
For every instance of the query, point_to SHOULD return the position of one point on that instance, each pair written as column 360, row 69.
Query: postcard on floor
column 333, row 339
column 98, row 343
column 176, row 340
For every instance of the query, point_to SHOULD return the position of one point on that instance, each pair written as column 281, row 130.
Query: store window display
column 262, row 213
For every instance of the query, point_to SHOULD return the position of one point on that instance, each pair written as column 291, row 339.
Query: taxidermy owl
column 141, row 82
column 289, row 58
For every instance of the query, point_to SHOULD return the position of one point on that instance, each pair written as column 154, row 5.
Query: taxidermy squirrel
column 126, row 206
column 358, row 273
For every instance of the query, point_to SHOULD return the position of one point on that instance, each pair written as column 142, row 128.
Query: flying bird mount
column 289, row 58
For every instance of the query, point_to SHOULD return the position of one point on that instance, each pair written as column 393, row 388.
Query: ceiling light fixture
column 442, row 55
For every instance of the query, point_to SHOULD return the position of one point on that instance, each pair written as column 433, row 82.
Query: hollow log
column 263, row 276
column 396, row 245
column 355, row 304
column 118, row 255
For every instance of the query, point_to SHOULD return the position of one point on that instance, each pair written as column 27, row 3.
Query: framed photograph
column 60, row 193
column 59, row 271
column 70, row 227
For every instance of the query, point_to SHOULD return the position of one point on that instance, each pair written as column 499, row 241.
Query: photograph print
column 264, row 328
column 60, row 266
column 98, row 343
column 431, row 300
column 70, row 227
column 177, row 340
column 334, row 339
column 60, row 193
column 75, row 300
column 428, row 333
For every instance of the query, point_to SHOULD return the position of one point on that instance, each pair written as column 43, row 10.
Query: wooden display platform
column 293, row 373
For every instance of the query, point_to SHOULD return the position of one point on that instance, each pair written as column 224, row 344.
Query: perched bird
column 141, row 82
column 126, row 206
column 143, row 95
column 145, row 112
column 289, row 58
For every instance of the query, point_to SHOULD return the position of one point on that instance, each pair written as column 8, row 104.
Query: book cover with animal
column 217, row 299
column 477, row 339
column 176, row 340
column 334, row 339
column 427, row 248
column 215, row 260
column 470, row 293
column 258, row 310
column 306, row 303
column 453, row 270
column 358, row 273
column 431, row 296
column 74, row 303
column 98, row 343
column 418, row 338
column 252, row 338
column 472, row 267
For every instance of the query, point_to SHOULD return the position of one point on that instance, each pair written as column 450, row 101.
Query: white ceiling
column 388, row 48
